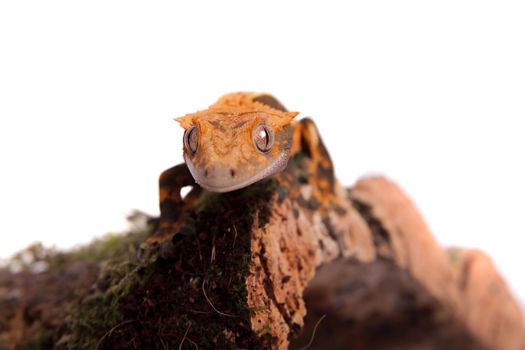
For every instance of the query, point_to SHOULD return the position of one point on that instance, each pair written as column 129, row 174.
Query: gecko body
column 241, row 139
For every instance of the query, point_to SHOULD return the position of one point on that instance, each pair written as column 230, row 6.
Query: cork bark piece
column 266, row 268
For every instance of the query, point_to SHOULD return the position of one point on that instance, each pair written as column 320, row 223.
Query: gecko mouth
column 222, row 180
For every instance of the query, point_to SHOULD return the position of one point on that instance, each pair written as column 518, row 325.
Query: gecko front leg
column 174, row 210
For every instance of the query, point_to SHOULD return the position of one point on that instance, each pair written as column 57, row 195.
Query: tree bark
column 264, row 271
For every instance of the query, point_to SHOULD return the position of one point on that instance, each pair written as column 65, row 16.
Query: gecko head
column 239, row 140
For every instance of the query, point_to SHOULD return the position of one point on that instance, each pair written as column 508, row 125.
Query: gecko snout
column 219, row 178
column 224, row 177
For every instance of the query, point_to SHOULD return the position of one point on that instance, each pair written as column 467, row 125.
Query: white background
column 430, row 94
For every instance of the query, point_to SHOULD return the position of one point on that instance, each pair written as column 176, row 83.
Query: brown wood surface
column 266, row 271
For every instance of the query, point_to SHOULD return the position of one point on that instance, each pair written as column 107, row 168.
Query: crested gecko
column 239, row 140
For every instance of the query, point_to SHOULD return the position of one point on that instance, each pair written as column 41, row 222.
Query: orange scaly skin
column 226, row 156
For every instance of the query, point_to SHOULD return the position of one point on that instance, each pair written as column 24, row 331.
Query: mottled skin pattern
column 226, row 157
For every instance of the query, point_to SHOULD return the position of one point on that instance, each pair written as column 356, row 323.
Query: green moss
column 140, row 299
column 4, row 323
column 266, row 329
column 453, row 255
column 99, row 309
column 109, row 247
column 216, row 259
column 40, row 340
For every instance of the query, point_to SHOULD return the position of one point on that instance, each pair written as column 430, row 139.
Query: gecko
column 241, row 139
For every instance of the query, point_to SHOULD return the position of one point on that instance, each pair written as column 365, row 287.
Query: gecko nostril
column 205, row 172
column 232, row 172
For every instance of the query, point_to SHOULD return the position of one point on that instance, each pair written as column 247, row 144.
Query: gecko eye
column 263, row 137
column 191, row 139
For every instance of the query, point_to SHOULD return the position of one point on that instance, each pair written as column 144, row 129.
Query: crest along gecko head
column 237, row 141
